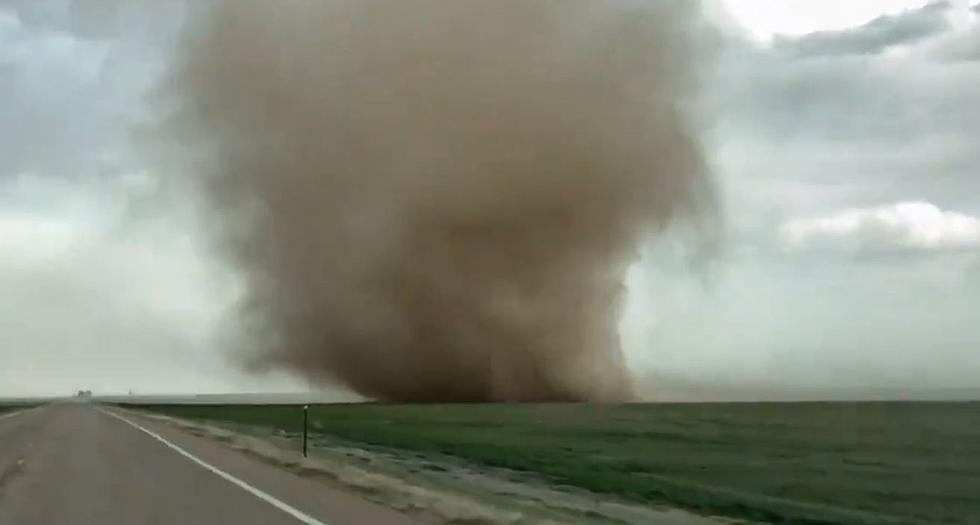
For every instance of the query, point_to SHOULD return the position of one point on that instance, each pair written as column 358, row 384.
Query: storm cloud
column 874, row 37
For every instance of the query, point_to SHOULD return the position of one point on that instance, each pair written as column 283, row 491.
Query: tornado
column 435, row 200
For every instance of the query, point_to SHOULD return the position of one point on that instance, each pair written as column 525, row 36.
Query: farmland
column 807, row 463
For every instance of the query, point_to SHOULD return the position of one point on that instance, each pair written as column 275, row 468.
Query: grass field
column 13, row 407
column 804, row 463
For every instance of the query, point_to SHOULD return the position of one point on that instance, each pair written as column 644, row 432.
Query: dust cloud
column 434, row 200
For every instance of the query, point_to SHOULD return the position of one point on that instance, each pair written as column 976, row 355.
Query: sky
column 842, row 136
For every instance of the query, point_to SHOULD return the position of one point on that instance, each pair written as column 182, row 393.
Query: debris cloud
column 434, row 200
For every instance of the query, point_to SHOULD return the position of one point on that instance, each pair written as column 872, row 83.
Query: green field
column 13, row 406
column 805, row 463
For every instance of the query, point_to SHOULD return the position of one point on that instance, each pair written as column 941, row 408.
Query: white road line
column 292, row 511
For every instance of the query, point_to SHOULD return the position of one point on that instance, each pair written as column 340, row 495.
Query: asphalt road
column 76, row 465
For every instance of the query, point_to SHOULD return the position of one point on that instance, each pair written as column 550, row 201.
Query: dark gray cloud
column 51, row 115
column 797, row 132
column 73, row 75
column 847, row 98
column 831, row 139
column 874, row 37
column 98, row 19
column 968, row 48
column 960, row 46
column 73, row 80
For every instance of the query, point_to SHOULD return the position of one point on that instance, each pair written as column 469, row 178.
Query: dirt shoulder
column 438, row 489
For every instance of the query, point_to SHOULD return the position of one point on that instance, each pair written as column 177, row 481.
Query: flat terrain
column 7, row 408
column 808, row 463
column 75, row 464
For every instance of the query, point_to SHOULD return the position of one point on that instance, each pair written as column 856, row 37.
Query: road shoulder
column 311, row 497
column 434, row 492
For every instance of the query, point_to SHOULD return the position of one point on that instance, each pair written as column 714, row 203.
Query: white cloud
column 93, row 296
column 917, row 226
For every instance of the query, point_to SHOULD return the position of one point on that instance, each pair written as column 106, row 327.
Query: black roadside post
column 306, row 420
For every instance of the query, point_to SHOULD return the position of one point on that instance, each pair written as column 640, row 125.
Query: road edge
column 258, row 493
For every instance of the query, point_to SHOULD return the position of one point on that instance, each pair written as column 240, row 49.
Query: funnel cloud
column 438, row 201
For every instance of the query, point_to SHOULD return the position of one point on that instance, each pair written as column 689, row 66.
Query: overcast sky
column 843, row 136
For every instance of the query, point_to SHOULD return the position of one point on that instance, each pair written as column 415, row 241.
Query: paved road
column 72, row 464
